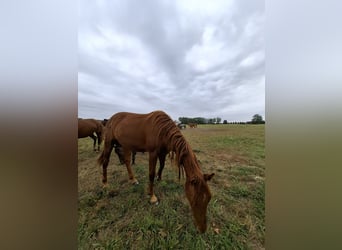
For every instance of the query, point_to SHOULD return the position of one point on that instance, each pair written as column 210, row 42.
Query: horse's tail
column 100, row 131
column 101, row 158
column 99, row 128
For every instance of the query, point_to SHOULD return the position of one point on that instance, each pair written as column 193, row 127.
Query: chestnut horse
column 87, row 127
column 157, row 134
column 193, row 125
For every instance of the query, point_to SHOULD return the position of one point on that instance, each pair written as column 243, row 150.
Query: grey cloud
column 163, row 79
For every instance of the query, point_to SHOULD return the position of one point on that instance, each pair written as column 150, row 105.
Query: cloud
column 188, row 58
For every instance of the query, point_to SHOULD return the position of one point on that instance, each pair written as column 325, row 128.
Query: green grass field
column 121, row 217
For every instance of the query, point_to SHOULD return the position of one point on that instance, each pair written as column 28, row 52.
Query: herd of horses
column 158, row 135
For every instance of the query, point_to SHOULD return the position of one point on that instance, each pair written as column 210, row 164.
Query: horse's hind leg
column 99, row 140
column 152, row 171
column 104, row 160
column 161, row 157
column 127, row 156
column 94, row 139
column 119, row 152
column 133, row 157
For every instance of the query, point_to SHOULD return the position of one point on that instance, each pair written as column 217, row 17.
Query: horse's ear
column 207, row 177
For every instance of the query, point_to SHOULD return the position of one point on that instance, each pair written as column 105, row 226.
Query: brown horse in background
column 193, row 125
column 90, row 127
column 157, row 134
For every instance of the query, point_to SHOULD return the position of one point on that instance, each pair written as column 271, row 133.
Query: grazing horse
column 87, row 127
column 193, row 125
column 157, row 134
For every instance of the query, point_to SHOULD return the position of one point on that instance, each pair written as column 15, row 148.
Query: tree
column 257, row 119
column 218, row 120
column 210, row 121
column 199, row 120
column 184, row 120
column 225, row 122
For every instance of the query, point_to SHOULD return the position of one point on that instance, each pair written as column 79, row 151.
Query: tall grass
column 120, row 217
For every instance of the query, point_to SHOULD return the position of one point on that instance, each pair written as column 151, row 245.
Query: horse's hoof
column 135, row 182
column 154, row 203
column 154, row 200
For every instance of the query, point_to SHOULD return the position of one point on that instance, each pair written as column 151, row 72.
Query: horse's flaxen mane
column 170, row 133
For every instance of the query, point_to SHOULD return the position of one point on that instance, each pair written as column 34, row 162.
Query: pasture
column 121, row 217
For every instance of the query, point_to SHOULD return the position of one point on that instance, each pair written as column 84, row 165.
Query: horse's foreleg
column 127, row 156
column 152, row 171
column 162, row 157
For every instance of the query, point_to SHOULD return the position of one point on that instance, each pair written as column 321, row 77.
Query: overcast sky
column 193, row 58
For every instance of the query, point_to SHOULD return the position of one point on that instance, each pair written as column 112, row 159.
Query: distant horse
column 90, row 127
column 193, row 125
column 157, row 134
column 181, row 126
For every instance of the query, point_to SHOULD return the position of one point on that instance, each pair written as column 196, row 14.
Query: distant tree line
column 257, row 119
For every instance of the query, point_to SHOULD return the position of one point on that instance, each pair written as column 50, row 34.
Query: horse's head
column 198, row 194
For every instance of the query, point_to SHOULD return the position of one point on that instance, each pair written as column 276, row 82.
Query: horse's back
column 134, row 119
column 136, row 131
